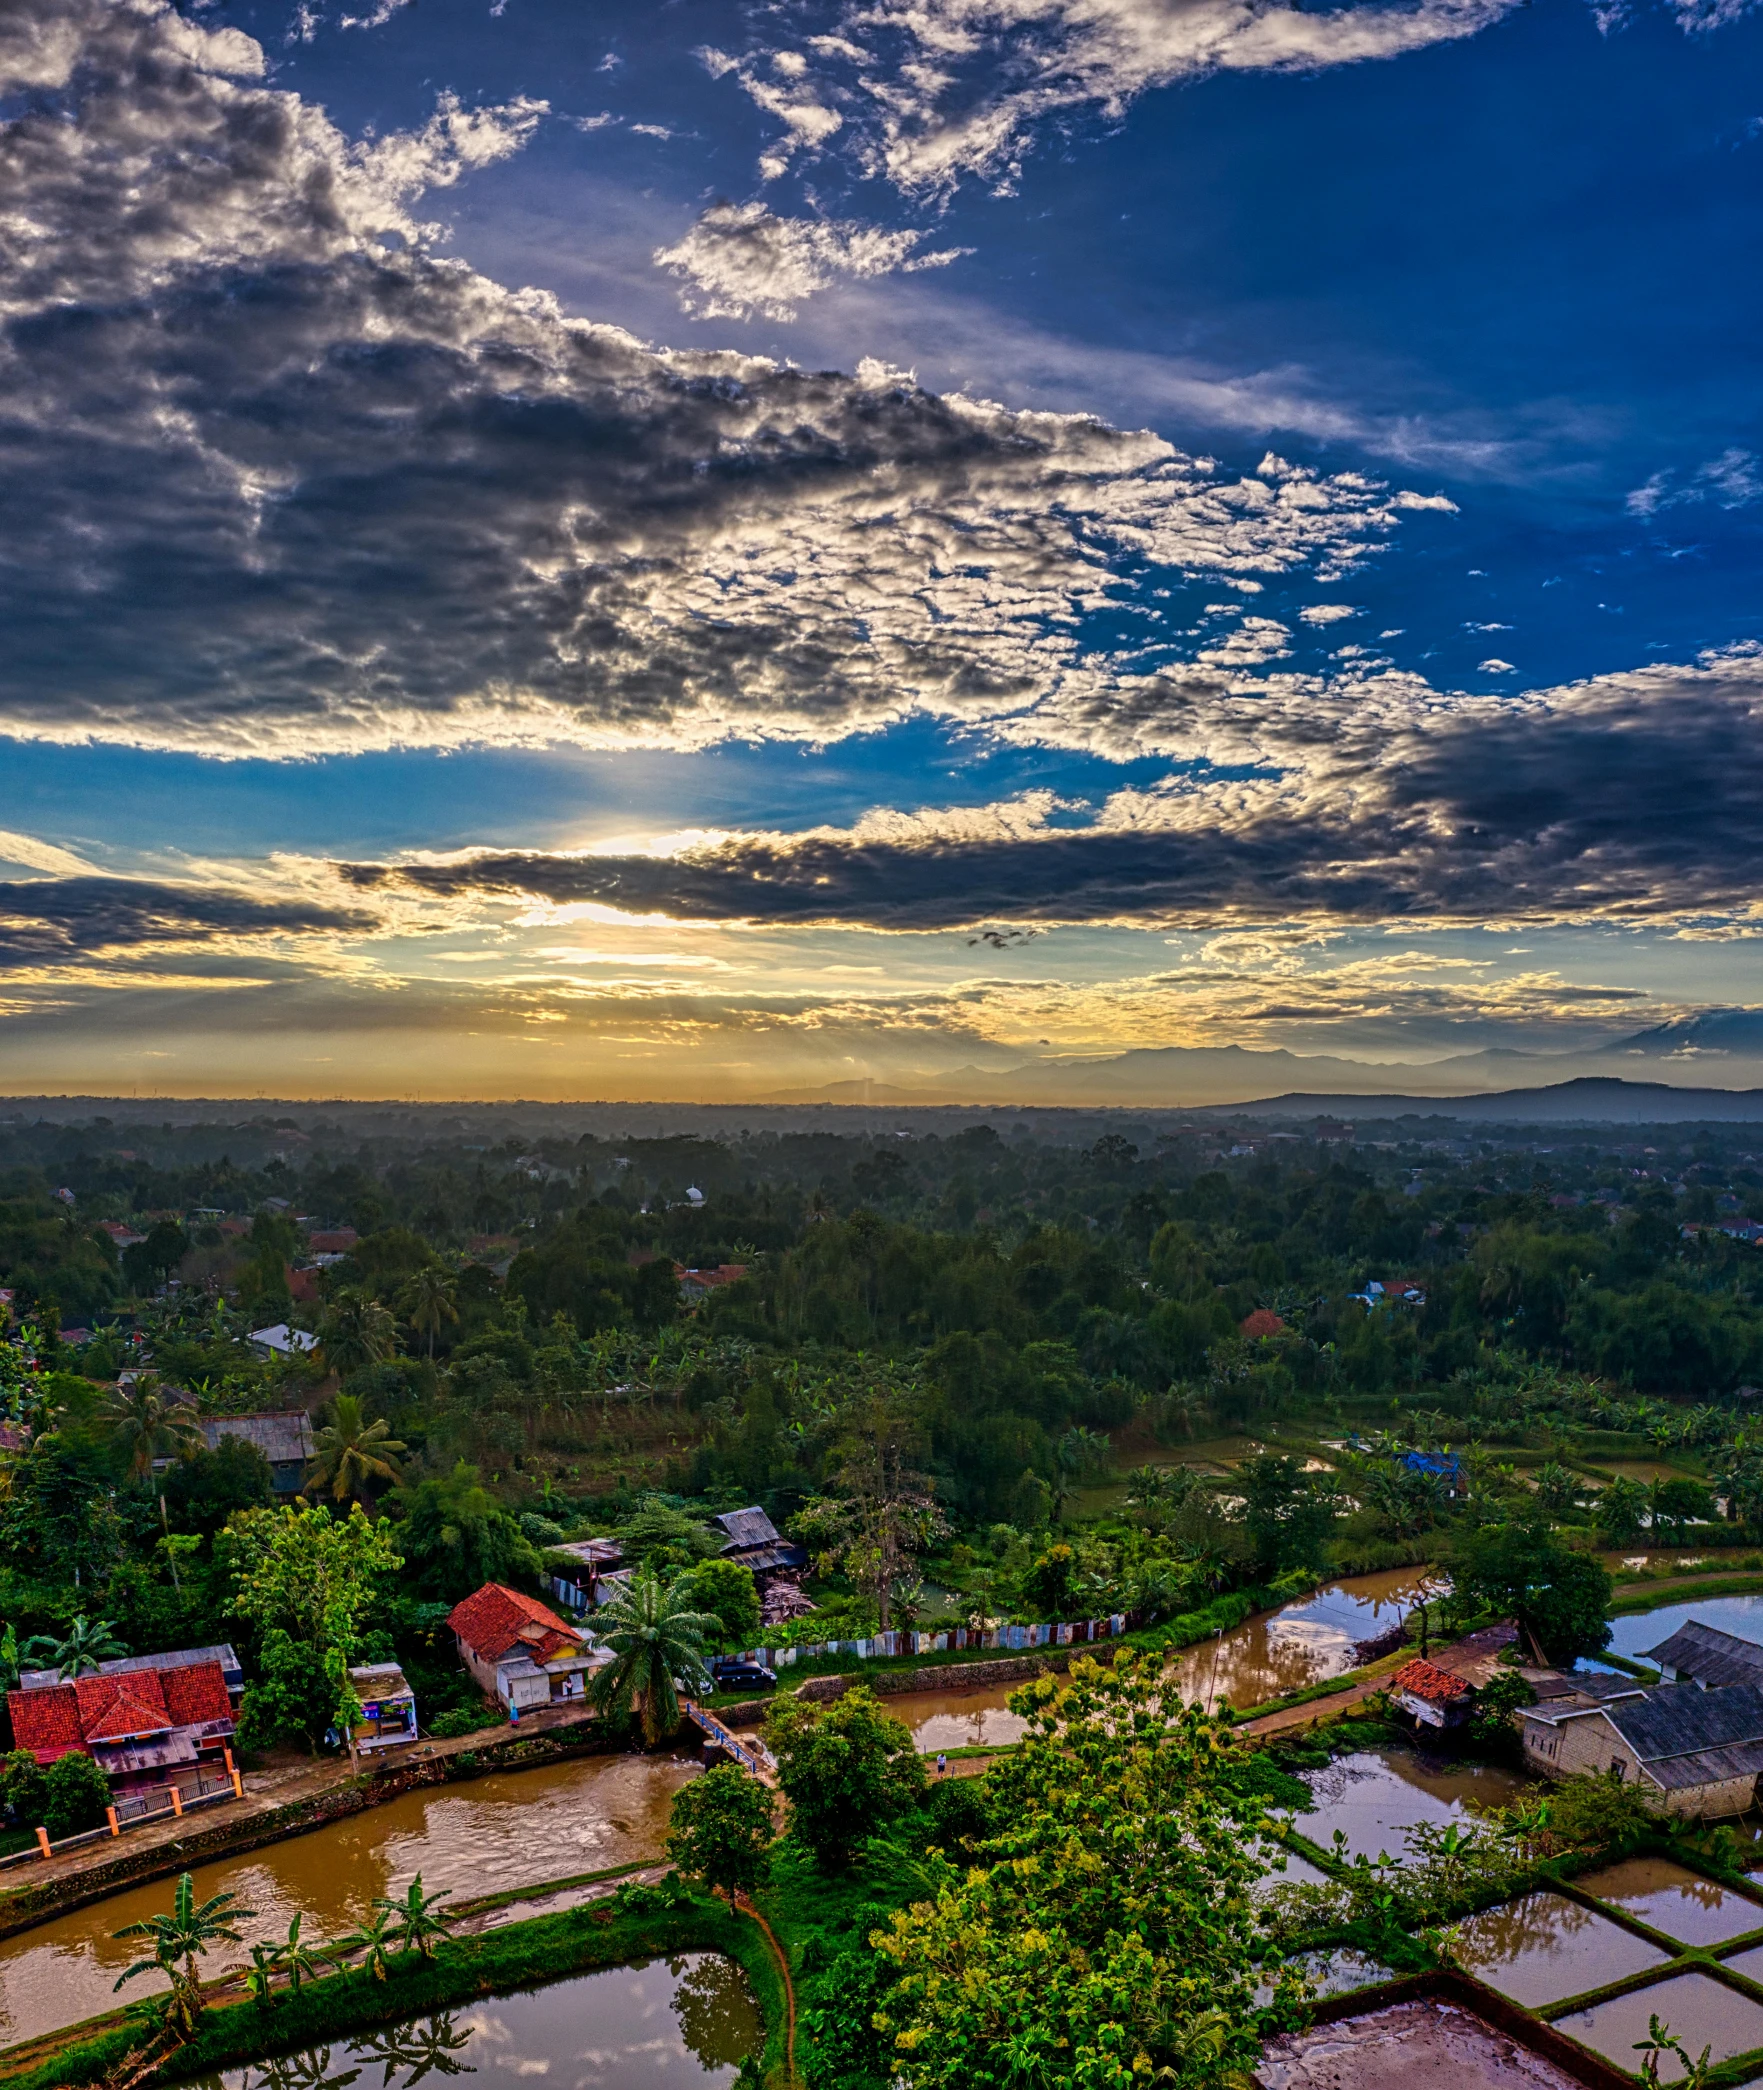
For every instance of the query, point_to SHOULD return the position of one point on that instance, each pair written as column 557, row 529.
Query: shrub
column 21, row 1787
column 465, row 1719
column 75, row 1795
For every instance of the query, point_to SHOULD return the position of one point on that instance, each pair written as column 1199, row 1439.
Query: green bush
column 465, row 1719
column 75, row 1795
column 21, row 1787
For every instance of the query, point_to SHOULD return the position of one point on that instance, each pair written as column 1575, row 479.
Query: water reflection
column 690, row 2021
column 1373, row 1796
column 1675, row 1900
column 1543, row 1948
column 510, row 1830
column 1699, row 2010
column 1634, row 1634
column 1286, row 1650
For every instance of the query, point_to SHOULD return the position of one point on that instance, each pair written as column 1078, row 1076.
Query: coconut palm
column 655, row 1637
column 350, row 1453
column 418, row 1917
column 180, row 1939
column 146, row 1424
column 358, row 1331
column 429, row 1303
column 88, row 1642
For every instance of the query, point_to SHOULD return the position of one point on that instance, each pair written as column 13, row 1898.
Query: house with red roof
column 1431, row 1696
column 520, row 1650
column 140, row 1720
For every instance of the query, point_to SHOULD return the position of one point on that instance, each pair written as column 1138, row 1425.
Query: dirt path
column 783, row 1966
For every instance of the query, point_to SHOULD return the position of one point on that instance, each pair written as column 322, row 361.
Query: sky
column 710, row 551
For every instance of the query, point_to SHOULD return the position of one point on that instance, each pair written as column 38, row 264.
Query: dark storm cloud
column 275, row 477
column 50, row 921
column 1631, row 798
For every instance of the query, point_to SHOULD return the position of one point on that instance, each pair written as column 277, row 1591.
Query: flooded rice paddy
column 1672, row 1899
column 1286, row 1650
column 1373, row 1796
column 510, row 1830
column 686, row 2021
column 1698, row 2010
column 1544, row 1948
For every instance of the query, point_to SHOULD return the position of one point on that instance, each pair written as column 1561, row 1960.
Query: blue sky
column 706, row 550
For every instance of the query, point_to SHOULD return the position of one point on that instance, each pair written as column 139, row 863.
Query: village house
column 520, row 1651
column 141, row 1719
column 284, row 1440
column 1431, row 1696
column 1692, row 1752
column 593, row 1571
column 776, row 1563
column 388, row 1707
column 1699, row 1654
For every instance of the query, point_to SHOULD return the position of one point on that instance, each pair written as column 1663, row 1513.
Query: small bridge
column 752, row 1756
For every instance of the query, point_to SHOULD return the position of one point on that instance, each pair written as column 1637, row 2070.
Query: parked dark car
column 729, row 1673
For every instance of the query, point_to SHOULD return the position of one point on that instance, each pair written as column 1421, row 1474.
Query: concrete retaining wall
column 226, row 1836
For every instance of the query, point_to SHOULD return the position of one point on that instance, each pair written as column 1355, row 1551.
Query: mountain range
column 1669, row 1067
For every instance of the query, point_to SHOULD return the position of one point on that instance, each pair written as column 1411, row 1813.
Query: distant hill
column 1589, row 1100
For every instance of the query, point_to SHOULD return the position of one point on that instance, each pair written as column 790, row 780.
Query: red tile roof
column 1422, row 1679
column 196, row 1692
column 494, row 1621
column 114, row 1707
column 46, row 1721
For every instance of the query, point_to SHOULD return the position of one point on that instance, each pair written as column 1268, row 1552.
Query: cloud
column 1496, row 667
column 1629, row 797
column 1734, row 479
column 739, row 259
column 1327, row 612
column 927, row 93
column 52, row 921
column 278, row 478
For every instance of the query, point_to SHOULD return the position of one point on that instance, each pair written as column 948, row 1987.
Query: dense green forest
column 982, row 1368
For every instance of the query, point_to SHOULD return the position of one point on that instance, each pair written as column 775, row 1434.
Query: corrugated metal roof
column 1681, row 1720
column 1707, row 1766
column 747, row 1527
column 1710, row 1657
column 280, row 1438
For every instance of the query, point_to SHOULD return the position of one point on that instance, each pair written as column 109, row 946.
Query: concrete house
column 1692, row 1752
column 521, row 1651
column 284, row 1440
column 1699, row 1654
column 388, row 1707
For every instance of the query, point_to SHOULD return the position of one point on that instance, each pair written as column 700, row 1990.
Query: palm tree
column 146, row 1426
column 429, row 1303
column 350, row 1454
column 183, row 1936
column 358, row 1331
column 655, row 1637
column 418, row 1917
column 88, row 1643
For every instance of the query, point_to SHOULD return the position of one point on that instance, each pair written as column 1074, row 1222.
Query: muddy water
column 1696, row 2008
column 1280, row 1651
column 1675, row 1900
column 1741, row 1616
column 1543, row 1947
column 690, row 2021
column 1372, row 1796
column 507, row 1831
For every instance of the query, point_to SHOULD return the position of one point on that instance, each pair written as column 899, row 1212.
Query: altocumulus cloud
column 1630, row 797
column 276, row 476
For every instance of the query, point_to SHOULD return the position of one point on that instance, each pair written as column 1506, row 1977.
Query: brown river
column 513, row 1830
